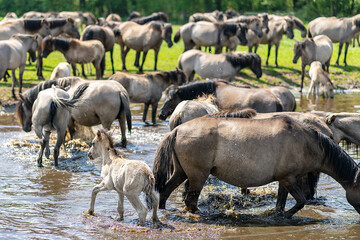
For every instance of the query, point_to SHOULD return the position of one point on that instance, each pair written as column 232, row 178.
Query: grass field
column 288, row 74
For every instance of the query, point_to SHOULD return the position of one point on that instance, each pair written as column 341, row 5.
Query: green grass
column 288, row 74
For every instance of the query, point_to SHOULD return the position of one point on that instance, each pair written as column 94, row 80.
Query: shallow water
column 50, row 203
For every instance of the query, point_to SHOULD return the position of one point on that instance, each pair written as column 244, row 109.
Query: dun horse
column 319, row 48
column 148, row 88
column 209, row 145
column 224, row 65
column 76, row 51
column 51, row 111
column 128, row 177
column 339, row 30
column 229, row 96
column 24, row 26
column 62, row 70
column 345, row 126
column 319, row 76
column 142, row 38
column 13, row 55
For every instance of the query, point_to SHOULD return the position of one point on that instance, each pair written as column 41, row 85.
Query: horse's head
column 70, row 28
column 166, row 32
column 47, row 46
column 102, row 140
column 24, row 113
column 289, row 28
column 298, row 48
column 45, row 28
column 353, row 192
column 256, row 26
column 255, row 63
column 181, row 77
column 241, row 33
column 265, row 21
column 172, row 99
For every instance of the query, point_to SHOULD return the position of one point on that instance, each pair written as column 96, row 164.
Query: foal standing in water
column 127, row 177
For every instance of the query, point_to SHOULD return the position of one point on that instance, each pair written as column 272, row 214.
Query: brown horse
column 142, row 38
column 230, row 96
column 76, row 51
column 258, row 152
column 148, row 88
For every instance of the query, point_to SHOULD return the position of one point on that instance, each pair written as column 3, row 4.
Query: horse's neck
column 192, row 93
column 26, row 42
column 163, row 81
column 109, row 155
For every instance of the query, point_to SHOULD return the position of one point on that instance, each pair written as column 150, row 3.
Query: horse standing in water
column 128, row 177
column 209, row 145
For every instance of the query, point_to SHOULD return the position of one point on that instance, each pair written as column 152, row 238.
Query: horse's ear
column 45, row 22
column 330, row 119
column 70, row 19
column 36, row 36
column 98, row 134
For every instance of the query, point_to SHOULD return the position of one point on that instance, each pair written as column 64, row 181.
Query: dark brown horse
column 258, row 152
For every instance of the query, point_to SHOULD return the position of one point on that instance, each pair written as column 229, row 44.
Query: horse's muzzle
column 170, row 44
column 258, row 75
column 162, row 116
column 26, row 128
column 90, row 156
column 294, row 60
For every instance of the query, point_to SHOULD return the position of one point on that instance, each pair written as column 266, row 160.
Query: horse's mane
column 31, row 94
column 166, row 75
column 160, row 16
column 156, row 26
column 341, row 163
column 247, row 19
column 246, row 113
column 62, row 43
column 298, row 23
column 196, row 89
column 111, row 142
column 33, row 24
column 133, row 15
column 67, row 81
column 228, row 28
column 57, row 22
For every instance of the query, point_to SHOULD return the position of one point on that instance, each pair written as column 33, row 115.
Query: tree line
column 180, row 10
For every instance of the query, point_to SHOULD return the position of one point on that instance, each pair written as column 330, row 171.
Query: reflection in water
column 49, row 203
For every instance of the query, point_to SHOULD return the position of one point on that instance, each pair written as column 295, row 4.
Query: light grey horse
column 13, row 56
column 319, row 76
column 319, row 48
column 24, row 26
column 340, row 30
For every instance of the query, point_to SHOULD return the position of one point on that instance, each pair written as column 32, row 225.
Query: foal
column 127, row 177
column 319, row 76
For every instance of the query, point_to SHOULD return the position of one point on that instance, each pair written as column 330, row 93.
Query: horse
column 62, row 70
column 102, row 103
column 252, row 22
column 277, row 28
column 24, row 26
column 113, row 17
column 106, row 36
column 223, row 65
column 51, row 111
column 215, row 16
column 158, row 16
column 345, row 126
column 13, row 55
column 209, row 34
column 148, row 88
column 209, row 145
column 34, row 14
column 63, row 26
column 339, row 30
column 76, row 51
column 319, row 76
column 128, row 177
column 190, row 109
column 230, row 96
column 319, row 48
column 142, row 38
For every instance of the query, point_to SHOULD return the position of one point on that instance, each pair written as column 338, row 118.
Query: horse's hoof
column 91, row 212
column 41, row 78
column 47, row 154
column 123, row 143
column 40, row 165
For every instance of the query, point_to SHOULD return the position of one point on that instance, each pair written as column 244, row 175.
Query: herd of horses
column 243, row 136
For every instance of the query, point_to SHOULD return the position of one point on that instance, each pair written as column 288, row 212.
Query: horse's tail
column 309, row 33
column 294, row 108
column 313, row 179
column 70, row 103
column 125, row 106
column 152, row 198
column 177, row 36
column 163, row 159
column 279, row 106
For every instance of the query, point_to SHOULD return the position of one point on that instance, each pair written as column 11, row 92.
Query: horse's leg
column 137, row 58
column 71, row 127
column 139, row 207
column 143, row 61
column 276, row 54
column 268, row 55
column 39, row 134
column 112, row 60
column 122, row 121
column 121, row 206
column 39, row 67
column 83, row 70
column 124, row 51
column 327, row 65
column 47, row 148
column 175, row 180
column 358, row 40
column 281, row 199
column 154, row 108
column 13, row 80
column 250, row 49
column 296, row 192
column 21, row 73
column 302, row 76
column 98, row 69
column 256, row 48
column 95, row 191
column 60, row 139
column 156, row 58
column 196, row 183
column 340, row 49
column 346, row 50
column 73, row 66
column 146, row 108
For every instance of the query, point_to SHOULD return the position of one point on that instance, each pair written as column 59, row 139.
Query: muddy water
column 50, row 203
